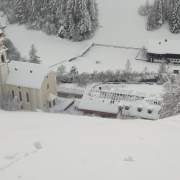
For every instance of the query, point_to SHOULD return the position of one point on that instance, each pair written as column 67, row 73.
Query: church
column 31, row 86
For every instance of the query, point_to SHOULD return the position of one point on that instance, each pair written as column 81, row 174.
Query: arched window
column 2, row 59
column 20, row 96
column 27, row 97
column 12, row 94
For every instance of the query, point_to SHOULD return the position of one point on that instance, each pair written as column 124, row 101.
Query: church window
column 20, row 96
column 27, row 97
column 12, row 94
column 2, row 59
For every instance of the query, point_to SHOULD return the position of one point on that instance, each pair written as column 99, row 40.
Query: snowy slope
column 77, row 147
column 120, row 24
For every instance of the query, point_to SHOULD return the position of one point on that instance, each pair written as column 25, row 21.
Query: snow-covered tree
column 151, row 21
column 33, row 58
column 7, row 103
column 174, row 19
column 74, row 71
column 171, row 98
column 61, row 70
column 19, row 10
column 128, row 71
column 79, row 22
column 156, row 16
column 162, row 70
column 93, row 12
column 144, row 10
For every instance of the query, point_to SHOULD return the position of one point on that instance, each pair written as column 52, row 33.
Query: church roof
column 26, row 74
column 164, row 46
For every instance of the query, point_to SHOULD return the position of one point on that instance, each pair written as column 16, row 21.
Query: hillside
column 120, row 24
column 77, row 147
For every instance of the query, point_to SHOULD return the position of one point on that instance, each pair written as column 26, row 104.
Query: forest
column 75, row 20
column 160, row 12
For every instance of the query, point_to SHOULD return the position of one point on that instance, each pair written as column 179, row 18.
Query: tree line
column 75, row 20
column 82, row 79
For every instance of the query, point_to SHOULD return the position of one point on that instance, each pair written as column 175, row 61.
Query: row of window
column 20, row 96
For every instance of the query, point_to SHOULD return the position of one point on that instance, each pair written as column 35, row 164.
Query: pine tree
column 82, row 17
column 151, row 25
column 19, row 10
column 156, row 16
column 160, row 13
column 93, row 12
column 69, row 21
column 78, row 23
column 33, row 58
column 174, row 20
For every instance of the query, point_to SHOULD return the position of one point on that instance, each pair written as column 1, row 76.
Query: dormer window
column 2, row 59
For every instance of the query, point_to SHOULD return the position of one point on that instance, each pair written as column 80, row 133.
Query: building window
column 48, row 86
column 2, row 59
column 20, row 96
column 176, row 71
column 12, row 94
column 27, row 97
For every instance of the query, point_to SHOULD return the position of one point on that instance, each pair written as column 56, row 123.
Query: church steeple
column 4, row 70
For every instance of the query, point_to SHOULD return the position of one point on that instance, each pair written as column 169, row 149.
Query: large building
column 32, row 86
column 110, row 103
column 168, row 50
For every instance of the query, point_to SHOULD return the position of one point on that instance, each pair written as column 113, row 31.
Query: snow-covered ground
column 109, row 58
column 120, row 24
column 145, row 88
column 43, row 146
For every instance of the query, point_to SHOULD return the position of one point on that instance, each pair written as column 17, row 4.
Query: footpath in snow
column 55, row 146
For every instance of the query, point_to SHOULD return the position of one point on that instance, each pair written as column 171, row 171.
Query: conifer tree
column 19, row 10
column 33, row 58
column 93, row 12
column 82, row 17
column 174, row 20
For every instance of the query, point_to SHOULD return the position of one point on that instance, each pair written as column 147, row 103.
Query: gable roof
column 164, row 46
column 26, row 74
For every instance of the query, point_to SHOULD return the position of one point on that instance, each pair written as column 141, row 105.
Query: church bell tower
column 4, row 70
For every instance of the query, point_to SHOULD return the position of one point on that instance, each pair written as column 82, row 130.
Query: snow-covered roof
column 51, row 97
column 96, row 103
column 26, row 74
column 164, row 46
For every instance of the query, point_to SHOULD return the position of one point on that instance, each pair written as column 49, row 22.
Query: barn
column 164, row 50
